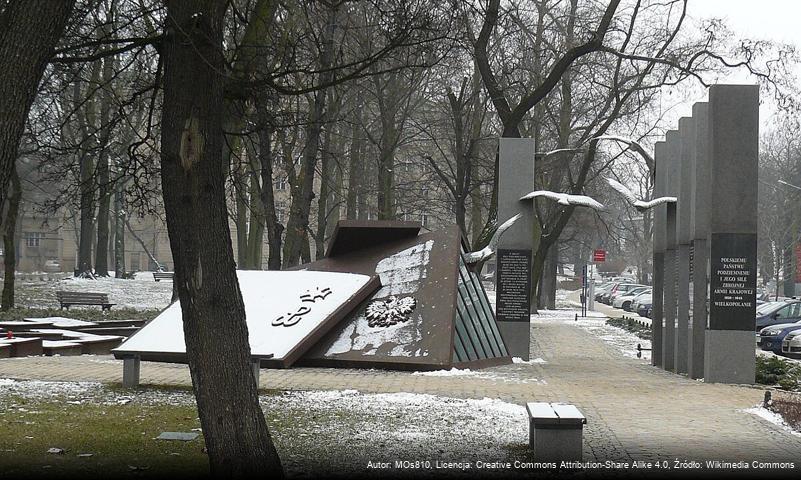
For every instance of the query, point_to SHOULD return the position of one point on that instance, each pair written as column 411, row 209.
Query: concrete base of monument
column 516, row 336
column 729, row 357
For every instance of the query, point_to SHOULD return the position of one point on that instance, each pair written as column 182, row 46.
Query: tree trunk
column 193, row 183
column 355, row 167
column 87, row 209
column 103, row 177
column 296, row 244
column 256, row 220
column 120, row 219
column 29, row 31
column 9, row 249
column 271, row 223
column 326, row 172
column 547, row 293
column 241, row 219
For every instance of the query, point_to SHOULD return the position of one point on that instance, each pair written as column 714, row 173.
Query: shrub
column 630, row 325
column 778, row 371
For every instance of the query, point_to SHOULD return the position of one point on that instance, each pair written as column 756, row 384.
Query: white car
column 791, row 346
column 621, row 301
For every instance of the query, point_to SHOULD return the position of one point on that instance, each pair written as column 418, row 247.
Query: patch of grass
column 778, row 371
column 630, row 325
column 121, row 439
column 90, row 314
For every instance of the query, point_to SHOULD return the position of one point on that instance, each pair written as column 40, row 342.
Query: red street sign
column 599, row 255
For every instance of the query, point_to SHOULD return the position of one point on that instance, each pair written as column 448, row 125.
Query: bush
column 778, row 371
column 630, row 325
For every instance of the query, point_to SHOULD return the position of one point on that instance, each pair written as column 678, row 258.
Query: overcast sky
column 768, row 19
column 777, row 20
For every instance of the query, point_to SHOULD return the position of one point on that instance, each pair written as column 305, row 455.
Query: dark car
column 770, row 338
column 644, row 309
column 774, row 313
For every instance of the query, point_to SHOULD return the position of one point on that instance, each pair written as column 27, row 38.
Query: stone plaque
column 514, row 285
column 732, row 301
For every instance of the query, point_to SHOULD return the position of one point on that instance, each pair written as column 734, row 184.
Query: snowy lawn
column 315, row 432
column 139, row 293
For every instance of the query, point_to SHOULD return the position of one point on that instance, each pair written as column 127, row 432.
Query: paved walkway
column 634, row 411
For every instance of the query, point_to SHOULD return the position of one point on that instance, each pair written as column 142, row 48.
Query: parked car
column 643, row 298
column 624, row 300
column 775, row 313
column 791, row 346
column 52, row 265
column 603, row 289
column 645, row 309
column 621, row 289
column 771, row 338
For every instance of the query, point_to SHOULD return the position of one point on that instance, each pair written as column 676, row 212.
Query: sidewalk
column 634, row 411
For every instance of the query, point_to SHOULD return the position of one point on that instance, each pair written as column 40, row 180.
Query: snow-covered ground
column 408, row 425
column 140, row 293
column 773, row 418
column 515, row 373
column 396, row 425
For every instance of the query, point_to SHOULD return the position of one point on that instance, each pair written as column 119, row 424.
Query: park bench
column 159, row 276
column 555, row 431
column 66, row 299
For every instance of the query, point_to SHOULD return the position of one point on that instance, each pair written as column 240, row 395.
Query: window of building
column 281, row 183
column 33, row 239
column 424, row 219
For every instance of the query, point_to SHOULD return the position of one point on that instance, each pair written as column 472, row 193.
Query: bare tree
column 193, row 182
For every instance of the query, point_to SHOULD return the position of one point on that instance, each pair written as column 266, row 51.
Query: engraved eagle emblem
column 384, row 313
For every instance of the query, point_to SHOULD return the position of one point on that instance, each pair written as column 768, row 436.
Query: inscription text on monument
column 732, row 301
column 514, row 285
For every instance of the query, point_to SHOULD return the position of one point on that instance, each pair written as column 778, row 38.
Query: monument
column 384, row 296
column 513, row 271
column 660, row 214
column 683, row 239
column 733, row 132
column 669, row 304
column 700, row 232
column 709, row 276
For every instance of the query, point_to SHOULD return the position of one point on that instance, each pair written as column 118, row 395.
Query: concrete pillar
column 672, row 177
column 130, row 372
column 513, row 277
column 733, row 124
column 683, row 239
column 700, row 232
column 660, row 217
